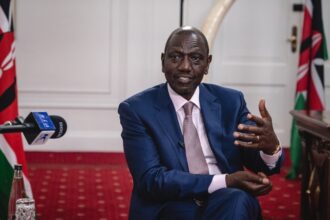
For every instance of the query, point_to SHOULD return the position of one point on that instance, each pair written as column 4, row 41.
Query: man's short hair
column 187, row 29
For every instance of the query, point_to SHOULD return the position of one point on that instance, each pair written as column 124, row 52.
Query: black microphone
column 37, row 128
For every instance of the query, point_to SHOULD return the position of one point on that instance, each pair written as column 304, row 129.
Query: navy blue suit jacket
column 154, row 149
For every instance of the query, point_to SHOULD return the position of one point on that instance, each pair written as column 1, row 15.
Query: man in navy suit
column 239, row 148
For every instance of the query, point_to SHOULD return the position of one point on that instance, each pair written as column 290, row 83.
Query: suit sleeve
column 152, row 180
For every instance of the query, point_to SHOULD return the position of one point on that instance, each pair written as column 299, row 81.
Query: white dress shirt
column 218, row 180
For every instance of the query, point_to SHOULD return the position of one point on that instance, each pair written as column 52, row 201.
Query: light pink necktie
column 194, row 153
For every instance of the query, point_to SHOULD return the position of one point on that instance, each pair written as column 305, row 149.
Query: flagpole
column 181, row 12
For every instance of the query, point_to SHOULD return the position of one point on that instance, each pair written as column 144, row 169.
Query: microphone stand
column 17, row 125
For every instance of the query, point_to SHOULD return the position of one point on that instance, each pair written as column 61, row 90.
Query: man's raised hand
column 260, row 136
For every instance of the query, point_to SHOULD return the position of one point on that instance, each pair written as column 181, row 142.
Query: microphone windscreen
column 60, row 126
column 41, row 128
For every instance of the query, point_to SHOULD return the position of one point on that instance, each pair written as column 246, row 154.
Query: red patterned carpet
column 96, row 186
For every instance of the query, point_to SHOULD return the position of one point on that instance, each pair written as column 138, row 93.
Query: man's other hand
column 256, row 184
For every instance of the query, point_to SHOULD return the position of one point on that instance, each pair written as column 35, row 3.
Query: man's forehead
column 184, row 47
column 189, row 41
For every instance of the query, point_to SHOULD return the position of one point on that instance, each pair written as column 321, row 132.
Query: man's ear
column 209, row 60
column 162, row 57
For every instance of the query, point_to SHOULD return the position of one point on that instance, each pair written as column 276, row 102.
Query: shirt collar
column 179, row 101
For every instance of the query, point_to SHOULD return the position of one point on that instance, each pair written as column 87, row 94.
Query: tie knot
column 188, row 108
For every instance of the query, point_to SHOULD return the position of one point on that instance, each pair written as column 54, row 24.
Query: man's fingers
column 260, row 179
column 263, row 110
column 250, row 128
column 256, row 184
column 259, row 187
column 261, row 174
column 264, row 190
column 246, row 144
column 265, row 179
column 247, row 137
column 262, row 184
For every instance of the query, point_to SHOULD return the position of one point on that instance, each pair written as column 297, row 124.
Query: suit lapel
column 212, row 117
column 168, row 121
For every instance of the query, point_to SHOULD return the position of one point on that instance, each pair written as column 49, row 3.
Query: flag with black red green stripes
column 11, row 146
column 310, row 82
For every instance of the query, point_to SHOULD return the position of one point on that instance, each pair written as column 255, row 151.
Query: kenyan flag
column 310, row 81
column 11, row 147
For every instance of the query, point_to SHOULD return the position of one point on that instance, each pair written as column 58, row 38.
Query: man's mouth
column 184, row 79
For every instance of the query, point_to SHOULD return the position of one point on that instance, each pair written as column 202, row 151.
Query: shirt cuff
column 271, row 160
column 218, row 182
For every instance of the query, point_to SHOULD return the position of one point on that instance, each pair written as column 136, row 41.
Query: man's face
column 185, row 62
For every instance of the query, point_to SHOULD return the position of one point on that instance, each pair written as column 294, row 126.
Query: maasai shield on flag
column 310, row 81
column 11, row 147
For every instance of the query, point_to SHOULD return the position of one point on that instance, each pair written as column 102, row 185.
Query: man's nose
column 185, row 64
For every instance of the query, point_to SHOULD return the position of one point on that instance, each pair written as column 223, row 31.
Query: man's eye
column 195, row 59
column 175, row 57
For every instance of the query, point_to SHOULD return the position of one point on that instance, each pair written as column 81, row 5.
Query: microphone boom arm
column 9, row 128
